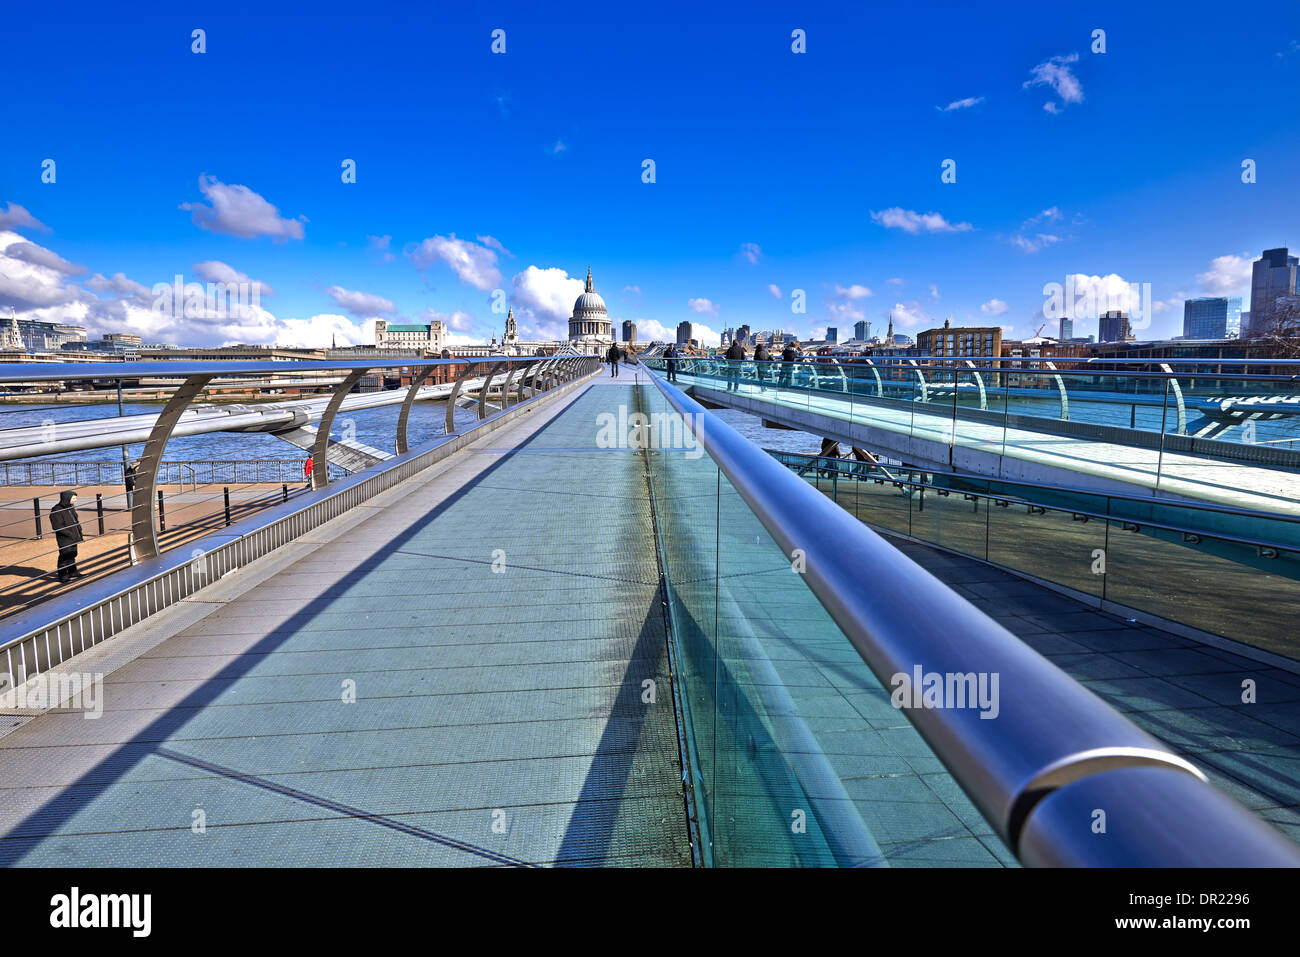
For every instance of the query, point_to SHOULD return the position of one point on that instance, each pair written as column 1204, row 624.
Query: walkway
column 451, row 674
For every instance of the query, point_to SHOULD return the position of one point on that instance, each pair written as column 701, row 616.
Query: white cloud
column 40, row 256
column 457, row 320
column 895, row 281
column 321, row 331
column 1032, row 244
column 214, row 270
column 361, row 304
column 913, row 222
column 1227, row 276
column 855, row 291
column 652, row 330
column 994, row 307
column 473, row 264
column 16, row 217
column 494, row 243
column 909, row 314
column 774, row 289
column 543, row 300
column 121, row 286
column 751, row 252
column 960, row 104
column 238, row 211
column 934, row 291
column 1055, row 72
column 703, row 306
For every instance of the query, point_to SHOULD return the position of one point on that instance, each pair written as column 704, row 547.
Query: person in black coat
column 129, row 476
column 612, row 358
column 788, row 356
column 735, row 356
column 761, row 359
column 67, row 532
column 670, row 362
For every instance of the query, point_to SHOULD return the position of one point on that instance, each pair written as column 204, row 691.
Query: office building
column 1114, row 327
column 1272, row 275
column 1067, row 329
column 1205, row 318
column 862, row 329
column 629, row 330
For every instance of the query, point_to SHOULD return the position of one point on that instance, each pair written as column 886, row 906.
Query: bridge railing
column 172, row 503
column 769, row 584
column 1103, row 547
column 989, row 404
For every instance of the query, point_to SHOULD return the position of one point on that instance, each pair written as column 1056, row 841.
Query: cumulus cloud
column 40, row 256
column 909, row 314
column 494, row 243
column 16, row 217
column 751, row 253
column 774, row 289
column 964, row 104
column 120, row 285
column 1227, row 275
column 1056, row 73
column 543, row 300
column 361, row 304
column 855, row 291
column 994, row 307
column 702, row 306
column 238, row 211
column 913, row 222
column 213, row 270
column 473, row 264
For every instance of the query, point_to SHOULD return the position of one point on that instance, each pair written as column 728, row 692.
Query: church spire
column 590, row 287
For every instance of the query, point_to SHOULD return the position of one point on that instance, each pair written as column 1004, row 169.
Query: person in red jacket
column 306, row 470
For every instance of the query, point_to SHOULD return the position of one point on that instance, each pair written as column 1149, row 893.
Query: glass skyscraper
column 1207, row 318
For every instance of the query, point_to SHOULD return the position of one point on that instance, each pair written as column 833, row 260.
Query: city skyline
column 822, row 172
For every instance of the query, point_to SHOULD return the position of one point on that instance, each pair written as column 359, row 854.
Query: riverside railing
column 1001, row 405
column 1035, row 761
column 1100, row 546
column 122, row 528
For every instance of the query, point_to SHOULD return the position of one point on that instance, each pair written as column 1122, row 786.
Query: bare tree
column 1279, row 332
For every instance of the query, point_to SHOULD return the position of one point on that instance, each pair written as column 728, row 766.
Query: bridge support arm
column 421, row 373
column 320, row 463
column 1178, row 396
column 450, row 426
column 483, row 391
column 144, row 533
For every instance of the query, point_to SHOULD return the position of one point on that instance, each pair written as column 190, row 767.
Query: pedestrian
column 788, row 356
column 612, row 358
column 670, row 362
column 760, row 364
column 129, row 476
column 735, row 356
column 306, row 470
column 67, row 533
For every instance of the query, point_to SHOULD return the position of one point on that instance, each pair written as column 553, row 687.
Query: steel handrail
column 1051, row 733
column 1070, row 489
column 1138, row 523
column 951, row 364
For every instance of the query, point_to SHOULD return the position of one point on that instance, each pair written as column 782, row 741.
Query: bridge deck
column 1195, row 477
column 498, row 715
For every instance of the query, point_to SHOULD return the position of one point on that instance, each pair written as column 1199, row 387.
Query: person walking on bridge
column 306, row 470
column 735, row 356
column 128, row 476
column 67, row 533
column 760, row 364
column 612, row 358
column 788, row 356
column 670, row 362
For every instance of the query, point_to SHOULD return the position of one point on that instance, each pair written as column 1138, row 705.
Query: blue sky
column 775, row 171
